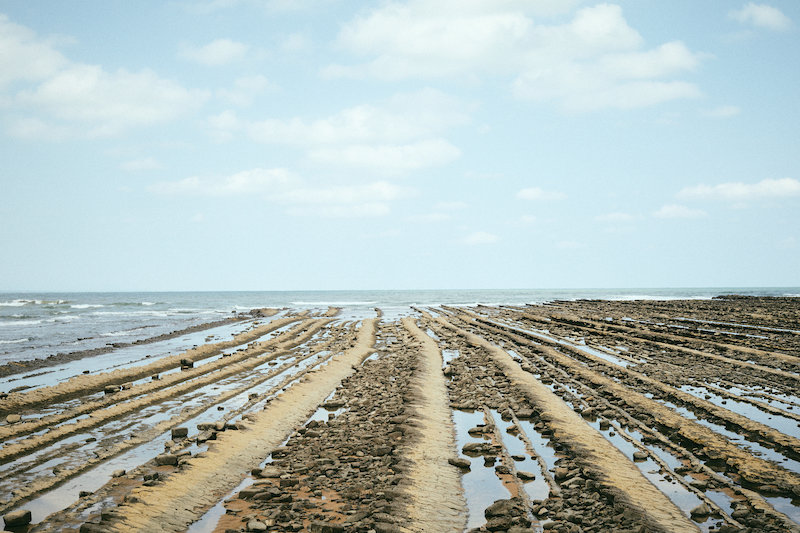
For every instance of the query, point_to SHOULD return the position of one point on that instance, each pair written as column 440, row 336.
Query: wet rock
column 111, row 389
column 478, row 448
column 500, row 508
column 502, row 469
column 700, row 510
column 180, row 433
column 525, row 476
column 499, row 523
column 13, row 419
column 639, row 456
column 167, row 459
column 91, row 527
column 20, row 517
column 460, row 462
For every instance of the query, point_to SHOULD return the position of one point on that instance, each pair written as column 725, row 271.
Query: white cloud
column 108, row 102
column 224, row 125
column 59, row 99
column 724, row 111
column 615, row 217
column 480, row 237
column 244, row 90
column 297, row 43
column 398, row 135
column 367, row 200
column 738, row 191
column 24, row 56
column 135, row 165
column 762, row 16
column 390, row 158
column 297, row 196
column 678, row 211
column 270, row 182
column 594, row 61
column 402, row 118
column 217, row 53
column 537, row 194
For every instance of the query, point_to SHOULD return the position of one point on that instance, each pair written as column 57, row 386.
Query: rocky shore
column 575, row 417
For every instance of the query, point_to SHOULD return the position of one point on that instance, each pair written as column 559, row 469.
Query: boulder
column 180, row 433
column 13, row 419
column 166, row 459
column 500, row 508
column 700, row 510
column 20, row 517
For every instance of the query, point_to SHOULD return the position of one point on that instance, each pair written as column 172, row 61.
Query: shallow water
column 481, row 485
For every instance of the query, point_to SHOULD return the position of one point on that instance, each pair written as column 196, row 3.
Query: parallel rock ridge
column 584, row 416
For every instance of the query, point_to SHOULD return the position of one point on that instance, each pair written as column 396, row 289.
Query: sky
column 405, row 144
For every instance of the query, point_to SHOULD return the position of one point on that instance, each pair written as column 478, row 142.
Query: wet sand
column 570, row 416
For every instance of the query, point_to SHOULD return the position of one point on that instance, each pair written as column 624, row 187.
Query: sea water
column 36, row 325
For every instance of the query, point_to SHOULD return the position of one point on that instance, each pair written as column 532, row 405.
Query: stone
column 323, row 527
column 166, row 459
column 460, row 462
column 111, row 389
column 180, row 433
column 204, row 436
column 561, row 473
column 700, row 510
column 13, row 419
column 526, row 476
column 639, row 456
column 118, row 473
column 500, row 508
column 382, row 450
column 255, row 525
column 20, row 517
column 499, row 523
column 502, row 469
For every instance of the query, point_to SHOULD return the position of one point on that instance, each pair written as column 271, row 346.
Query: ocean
column 37, row 325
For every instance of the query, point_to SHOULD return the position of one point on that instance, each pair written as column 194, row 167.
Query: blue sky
column 277, row 144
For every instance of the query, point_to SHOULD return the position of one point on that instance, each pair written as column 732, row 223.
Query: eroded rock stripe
column 83, row 385
column 615, row 471
column 434, row 494
column 176, row 503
